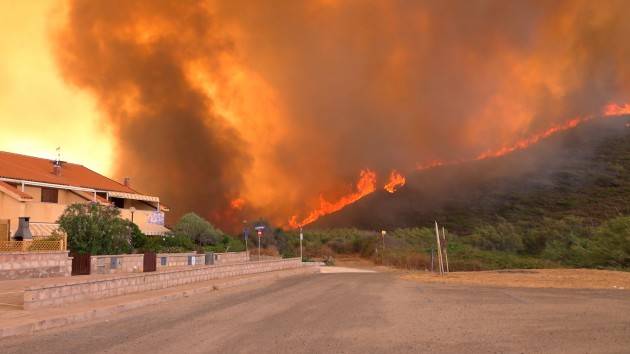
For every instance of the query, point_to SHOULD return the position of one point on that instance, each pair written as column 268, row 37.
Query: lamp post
column 245, row 233
column 383, row 233
column 132, row 210
column 301, row 238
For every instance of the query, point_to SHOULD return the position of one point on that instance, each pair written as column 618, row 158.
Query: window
column 50, row 195
column 118, row 202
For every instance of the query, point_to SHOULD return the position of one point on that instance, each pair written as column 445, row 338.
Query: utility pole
column 445, row 248
column 439, row 249
column 432, row 258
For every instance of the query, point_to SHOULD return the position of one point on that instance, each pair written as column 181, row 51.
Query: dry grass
column 533, row 278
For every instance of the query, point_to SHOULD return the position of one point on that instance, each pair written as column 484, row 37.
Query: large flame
column 365, row 185
column 396, row 180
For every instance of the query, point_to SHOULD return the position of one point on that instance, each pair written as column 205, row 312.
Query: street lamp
column 301, row 238
column 245, row 236
column 132, row 210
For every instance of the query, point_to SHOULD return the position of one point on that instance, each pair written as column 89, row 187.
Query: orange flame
column 237, row 204
column 396, row 180
column 525, row 143
column 367, row 181
column 365, row 185
column 616, row 110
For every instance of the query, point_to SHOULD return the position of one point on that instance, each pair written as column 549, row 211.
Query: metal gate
column 81, row 263
column 150, row 262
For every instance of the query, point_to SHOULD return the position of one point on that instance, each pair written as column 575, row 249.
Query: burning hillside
column 582, row 172
column 239, row 109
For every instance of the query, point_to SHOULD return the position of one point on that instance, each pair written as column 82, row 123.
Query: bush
column 96, row 229
column 503, row 237
column 198, row 229
column 227, row 244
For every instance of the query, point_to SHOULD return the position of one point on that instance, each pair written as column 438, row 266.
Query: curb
column 64, row 320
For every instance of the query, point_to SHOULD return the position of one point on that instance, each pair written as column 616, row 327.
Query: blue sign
column 156, row 217
column 245, row 233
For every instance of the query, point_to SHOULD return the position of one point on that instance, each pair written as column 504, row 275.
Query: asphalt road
column 356, row 313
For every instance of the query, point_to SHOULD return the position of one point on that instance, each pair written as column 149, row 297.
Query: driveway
column 356, row 313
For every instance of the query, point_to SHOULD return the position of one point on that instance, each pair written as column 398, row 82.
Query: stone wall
column 113, row 264
column 179, row 259
column 21, row 265
column 231, row 257
column 134, row 263
column 61, row 294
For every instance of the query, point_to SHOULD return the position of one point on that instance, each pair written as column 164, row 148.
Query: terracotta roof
column 14, row 192
column 36, row 169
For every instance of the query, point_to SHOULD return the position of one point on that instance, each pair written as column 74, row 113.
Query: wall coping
column 33, row 253
column 118, row 255
column 152, row 274
column 180, row 254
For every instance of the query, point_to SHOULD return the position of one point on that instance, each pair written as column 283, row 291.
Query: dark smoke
column 360, row 84
column 168, row 136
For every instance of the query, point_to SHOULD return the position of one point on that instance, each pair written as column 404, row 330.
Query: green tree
column 96, row 229
column 198, row 230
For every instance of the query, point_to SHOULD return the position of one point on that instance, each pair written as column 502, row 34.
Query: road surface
column 356, row 313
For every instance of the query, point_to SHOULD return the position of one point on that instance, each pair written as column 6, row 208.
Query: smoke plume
column 239, row 109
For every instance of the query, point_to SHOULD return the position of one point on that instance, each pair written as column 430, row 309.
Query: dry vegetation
column 533, row 278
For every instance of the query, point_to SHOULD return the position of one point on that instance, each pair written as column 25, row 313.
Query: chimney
column 127, row 181
column 56, row 168
column 24, row 231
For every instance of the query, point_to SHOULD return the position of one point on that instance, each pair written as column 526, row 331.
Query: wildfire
column 525, row 143
column 396, row 180
column 367, row 181
column 616, row 110
column 365, row 185
column 430, row 164
column 237, row 204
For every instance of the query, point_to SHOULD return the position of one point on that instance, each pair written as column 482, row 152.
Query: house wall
column 140, row 217
column 139, row 205
column 11, row 209
column 50, row 212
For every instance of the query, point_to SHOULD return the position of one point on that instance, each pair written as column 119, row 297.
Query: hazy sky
column 38, row 110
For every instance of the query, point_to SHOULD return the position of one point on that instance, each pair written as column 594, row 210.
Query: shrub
column 198, row 229
column 96, row 229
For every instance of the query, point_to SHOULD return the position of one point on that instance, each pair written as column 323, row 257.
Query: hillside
column 582, row 172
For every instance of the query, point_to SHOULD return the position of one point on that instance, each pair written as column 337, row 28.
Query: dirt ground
column 533, row 278
column 522, row 278
column 367, row 312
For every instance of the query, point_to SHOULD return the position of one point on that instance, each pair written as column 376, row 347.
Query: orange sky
column 38, row 110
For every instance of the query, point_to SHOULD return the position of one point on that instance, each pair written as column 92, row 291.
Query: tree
column 96, row 229
column 198, row 229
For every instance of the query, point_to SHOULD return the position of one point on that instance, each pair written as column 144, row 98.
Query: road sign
column 259, row 233
column 260, row 227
